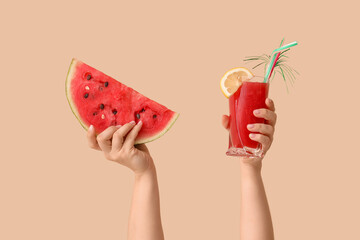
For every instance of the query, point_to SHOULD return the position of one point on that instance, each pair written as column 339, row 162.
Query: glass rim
column 256, row 78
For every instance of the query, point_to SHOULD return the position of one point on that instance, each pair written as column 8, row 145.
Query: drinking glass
column 251, row 95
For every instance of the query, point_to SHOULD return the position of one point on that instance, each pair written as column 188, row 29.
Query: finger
column 260, row 138
column 104, row 138
column 130, row 138
column 225, row 122
column 265, row 129
column 119, row 136
column 270, row 104
column 267, row 114
column 91, row 138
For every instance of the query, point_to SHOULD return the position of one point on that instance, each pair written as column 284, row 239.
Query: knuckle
column 131, row 134
column 259, row 127
column 262, row 113
column 267, row 113
column 127, row 152
column 256, row 137
column 260, row 137
column 267, row 140
column 272, row 104
column 99, row 138
column 115, row 156
column 122, row 155
column 270, row 129
column 118, row 134
column 264, row 128
column 263, row 138
column 108, row 156
column 114, row 129
column 132, row 152
column 92, row 145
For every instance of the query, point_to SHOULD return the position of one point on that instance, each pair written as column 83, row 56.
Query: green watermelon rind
column 69, row 75
column 69, row 78
column 167, row 128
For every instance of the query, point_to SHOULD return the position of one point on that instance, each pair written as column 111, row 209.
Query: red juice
column 249, row 96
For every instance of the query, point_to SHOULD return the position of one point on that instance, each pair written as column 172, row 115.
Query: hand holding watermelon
column 117, row 143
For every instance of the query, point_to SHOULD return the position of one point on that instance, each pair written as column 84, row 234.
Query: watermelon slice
column 99, row 100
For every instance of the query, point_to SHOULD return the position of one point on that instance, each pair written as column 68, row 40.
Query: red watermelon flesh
column 99, row 100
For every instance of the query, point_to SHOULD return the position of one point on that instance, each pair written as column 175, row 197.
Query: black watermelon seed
column 142, row 110
column 95, row 113
column 114, row 112
column 86, row 95
column 106, row 84
column 88, row 77
column 102, row 106
column 154, row 116
column 138, row 116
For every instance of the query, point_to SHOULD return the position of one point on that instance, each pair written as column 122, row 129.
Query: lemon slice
column 233, row 79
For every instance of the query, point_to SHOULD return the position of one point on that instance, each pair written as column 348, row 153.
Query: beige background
column 54, row 187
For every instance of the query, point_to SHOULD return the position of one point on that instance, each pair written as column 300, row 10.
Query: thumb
column 225, row 122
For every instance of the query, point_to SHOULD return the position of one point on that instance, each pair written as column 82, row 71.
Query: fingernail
column 132, row 122
column 118, row 126
column 91, row 127
column 251, row 135
column 139, row 123
column 256, row 112
column 250, row 126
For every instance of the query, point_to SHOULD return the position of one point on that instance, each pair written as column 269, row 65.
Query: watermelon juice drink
column 249, row 96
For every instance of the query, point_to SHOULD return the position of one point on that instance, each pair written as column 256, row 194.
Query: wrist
column 250, row 166
column 149, row 171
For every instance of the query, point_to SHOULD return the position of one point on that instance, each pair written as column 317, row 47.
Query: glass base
column 245, row 152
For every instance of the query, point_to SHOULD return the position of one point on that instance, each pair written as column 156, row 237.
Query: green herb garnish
column 281, row 67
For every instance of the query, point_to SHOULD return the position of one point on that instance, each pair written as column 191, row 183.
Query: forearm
column 255, row 218
column 145, row 219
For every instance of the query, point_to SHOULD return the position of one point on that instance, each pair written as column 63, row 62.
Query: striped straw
column 276, row 58
column 273, row 57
